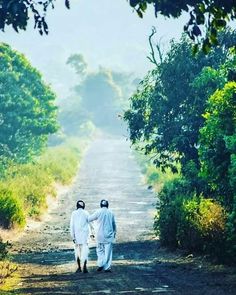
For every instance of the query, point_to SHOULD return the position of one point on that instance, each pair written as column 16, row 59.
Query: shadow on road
column 139, row 268
column 121, row 251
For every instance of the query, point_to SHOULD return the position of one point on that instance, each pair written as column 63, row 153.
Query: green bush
column 31, row 183
column 166, row 224
column 11, row 210
column 188, row 232
column 202, row 226
column 231, row 235
column 189, row 221
column 166, row 221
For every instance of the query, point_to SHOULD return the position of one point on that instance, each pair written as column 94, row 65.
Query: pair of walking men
column 80, row 226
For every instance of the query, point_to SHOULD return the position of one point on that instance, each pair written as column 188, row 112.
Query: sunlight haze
column 107, row 33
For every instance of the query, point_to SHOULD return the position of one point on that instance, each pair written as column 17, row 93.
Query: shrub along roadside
column 24, row 189
column 190, row 222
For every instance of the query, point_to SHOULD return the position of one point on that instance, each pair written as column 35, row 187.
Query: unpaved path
column 139, row 266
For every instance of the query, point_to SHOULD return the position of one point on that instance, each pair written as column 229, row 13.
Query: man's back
column 106, row 226
column 79, row 226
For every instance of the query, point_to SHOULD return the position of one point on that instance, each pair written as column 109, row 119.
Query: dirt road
column 139, row 266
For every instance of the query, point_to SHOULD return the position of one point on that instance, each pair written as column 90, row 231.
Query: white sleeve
column 91, row 229
column 72, row 231
column 94, row 216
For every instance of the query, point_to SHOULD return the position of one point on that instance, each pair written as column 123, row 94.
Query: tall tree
column 27, row 108
column 166, row 112
column 218, row 143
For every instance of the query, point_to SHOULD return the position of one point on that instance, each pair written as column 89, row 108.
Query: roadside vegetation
column 35, row 152
column 183, row 117
column 25, row 187
column 153, row 176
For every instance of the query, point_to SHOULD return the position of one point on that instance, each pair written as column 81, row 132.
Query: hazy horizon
column 108, row 34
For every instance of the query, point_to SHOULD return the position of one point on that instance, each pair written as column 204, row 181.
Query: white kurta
column 79, row 230
column 79, row 226
column 106, row 232
column 106, row 225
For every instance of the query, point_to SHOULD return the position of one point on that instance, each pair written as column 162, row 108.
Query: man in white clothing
column 79, row 230
column 106, row 232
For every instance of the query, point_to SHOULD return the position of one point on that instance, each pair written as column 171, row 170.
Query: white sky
column 107, row 32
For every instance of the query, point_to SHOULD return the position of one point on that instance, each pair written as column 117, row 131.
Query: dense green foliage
column 166, row 111
column 27, row 108
column 207, row 18
column 183, row 115
column 10, row 208
column 217, row 143
column 190, row 222
column 28, row 171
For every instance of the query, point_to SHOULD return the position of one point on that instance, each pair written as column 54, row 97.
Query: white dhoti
column 81, row 252
column 104, row 254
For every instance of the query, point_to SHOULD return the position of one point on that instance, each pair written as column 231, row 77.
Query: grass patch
column 7, row 269
column 25, row 187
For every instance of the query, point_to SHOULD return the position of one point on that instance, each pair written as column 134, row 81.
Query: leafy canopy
column 165, row 113
column 206, row 18
column 218, row 142
column 27, row 109
column 18, row 12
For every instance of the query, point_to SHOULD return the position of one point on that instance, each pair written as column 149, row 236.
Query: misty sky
column 106, row 32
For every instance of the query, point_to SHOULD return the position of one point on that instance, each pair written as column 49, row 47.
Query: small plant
column 11, row 210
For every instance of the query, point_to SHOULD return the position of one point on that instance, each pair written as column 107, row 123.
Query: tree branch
column 152, row 56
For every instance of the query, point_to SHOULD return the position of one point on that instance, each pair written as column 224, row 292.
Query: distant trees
column 27, row 108
column 99, row 96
